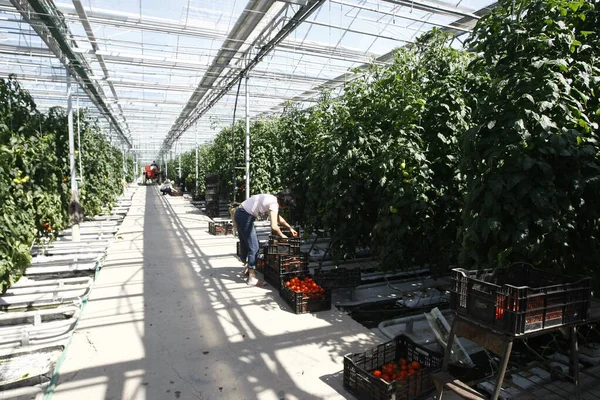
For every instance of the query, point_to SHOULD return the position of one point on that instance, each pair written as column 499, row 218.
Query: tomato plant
column 531, row 162
column 35, row 178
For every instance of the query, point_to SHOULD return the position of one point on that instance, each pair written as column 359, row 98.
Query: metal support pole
column 574, row 367
column 80, row 150
column 179, row 152
column 74, row 208
column 124, row 163
column 196, row 147
column 247, row 140
column 502, row 369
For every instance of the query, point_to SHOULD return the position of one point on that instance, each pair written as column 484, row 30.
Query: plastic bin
column 360, row 381
column 282, row 268
column 220, row 228
column 284, row 246
column 302, row 303
column 519, row 299
column 339, row 277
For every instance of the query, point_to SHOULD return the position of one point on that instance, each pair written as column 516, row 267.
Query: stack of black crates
column 284, row 261
column 211, row 182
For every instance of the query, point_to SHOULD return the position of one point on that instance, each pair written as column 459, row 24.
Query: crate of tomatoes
column 520, row 299
column 399, row 369
column 279, row 268
column 304, row 295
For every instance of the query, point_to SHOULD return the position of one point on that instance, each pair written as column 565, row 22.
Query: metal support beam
column 191, row 116
column 179, row 153
column 91, row 37
column 48, row 23
column 196, row 147
column 251, row 16
column 74, row 194
column 247, row 140
column 456, row 28
column 79, row 147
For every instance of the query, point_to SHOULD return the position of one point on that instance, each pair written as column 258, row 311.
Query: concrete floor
column 169, row 318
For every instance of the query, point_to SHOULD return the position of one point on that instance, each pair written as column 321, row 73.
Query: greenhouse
column 299, row 199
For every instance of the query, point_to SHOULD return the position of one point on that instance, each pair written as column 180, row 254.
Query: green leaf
column 547, row 124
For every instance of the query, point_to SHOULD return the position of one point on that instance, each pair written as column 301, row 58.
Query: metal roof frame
column 155, row 75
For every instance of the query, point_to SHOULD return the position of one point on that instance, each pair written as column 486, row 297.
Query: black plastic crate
column 359, row 367
column 220, row 228
column 339, row 277
column 260, row 261
column 281, row 268
column 302, row 303
column 285, row 246
column 520, row 299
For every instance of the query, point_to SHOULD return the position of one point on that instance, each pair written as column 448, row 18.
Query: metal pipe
column 79, row 143
column 179, row 151
column 73, row 209
column 124, row 163
column 71, row 135
column 196, row 147
column 247, row 140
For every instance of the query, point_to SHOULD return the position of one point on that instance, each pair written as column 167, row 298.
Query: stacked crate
column 283, row 263
column 283, row 260
column 211, row 182
column 220, row 228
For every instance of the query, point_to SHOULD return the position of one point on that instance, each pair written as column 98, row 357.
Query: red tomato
column 415, row 365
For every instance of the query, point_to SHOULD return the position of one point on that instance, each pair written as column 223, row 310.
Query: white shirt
column 260, row 204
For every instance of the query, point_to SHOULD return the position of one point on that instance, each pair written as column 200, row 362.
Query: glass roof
column 168, row 71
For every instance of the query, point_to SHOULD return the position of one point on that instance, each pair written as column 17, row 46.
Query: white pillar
column 179, row 151
column 124, row 162
column 196, row 147
column 247, row 141
column 74, row 194
column 79, row 143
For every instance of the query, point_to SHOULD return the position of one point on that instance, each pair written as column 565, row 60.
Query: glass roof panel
column 170, row 67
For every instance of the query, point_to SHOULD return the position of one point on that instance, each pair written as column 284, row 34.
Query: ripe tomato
column 385, row 377
column 415, row 365
column 377, row 373
column 388, row 368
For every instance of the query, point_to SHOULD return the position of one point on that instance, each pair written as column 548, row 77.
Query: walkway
column 169, row 318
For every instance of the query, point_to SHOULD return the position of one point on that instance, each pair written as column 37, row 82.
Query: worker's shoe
column 255, row 282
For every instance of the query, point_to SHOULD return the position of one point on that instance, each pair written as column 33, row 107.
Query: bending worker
column 245, row 216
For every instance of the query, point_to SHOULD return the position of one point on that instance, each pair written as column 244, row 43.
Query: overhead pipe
column 74, row 207
column 247, row 140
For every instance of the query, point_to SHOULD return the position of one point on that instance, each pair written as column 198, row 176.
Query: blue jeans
column 249, row 248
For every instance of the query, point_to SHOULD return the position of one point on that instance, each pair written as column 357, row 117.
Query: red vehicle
column 151, row 173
